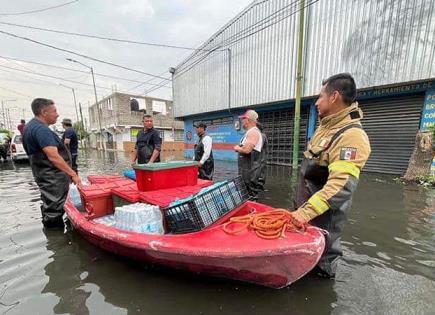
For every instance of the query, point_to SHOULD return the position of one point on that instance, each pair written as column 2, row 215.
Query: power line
column 147, row 82
column 13, row 91
column 54, row 77
column 269, row 17
column 76, row 70
column 128, row 41
column 80, row 55
column 154, row 88
column 39, row 10
column 263, row 21
column 242, row 32
column 228, row 43
column 59, row 78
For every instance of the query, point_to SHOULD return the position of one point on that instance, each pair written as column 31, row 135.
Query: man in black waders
column 148, row 143
column 203, row 152
column 50, row 161
column 69, row 138
column 252, row 155
column 331, row 166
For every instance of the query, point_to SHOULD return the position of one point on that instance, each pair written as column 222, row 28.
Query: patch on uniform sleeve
column 348, row 154
column 323, row 142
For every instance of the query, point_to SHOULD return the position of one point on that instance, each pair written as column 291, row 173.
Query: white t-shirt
column 259, row 143
column 207, row 142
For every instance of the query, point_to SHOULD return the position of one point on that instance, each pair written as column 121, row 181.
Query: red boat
column 243, row 256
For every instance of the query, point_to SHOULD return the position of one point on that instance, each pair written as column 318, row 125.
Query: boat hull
column 244, row 257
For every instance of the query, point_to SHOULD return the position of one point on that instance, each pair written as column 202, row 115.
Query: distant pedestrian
column 69, row 138
column 203, row 153
column 50, row 161
column 21, row 126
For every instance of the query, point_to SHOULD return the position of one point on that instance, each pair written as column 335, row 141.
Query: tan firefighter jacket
column 344, row 160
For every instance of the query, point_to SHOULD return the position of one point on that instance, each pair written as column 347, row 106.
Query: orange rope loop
column 267, row 225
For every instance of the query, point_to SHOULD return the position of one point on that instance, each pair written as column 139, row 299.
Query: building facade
column 121, row 118
column 388, row 46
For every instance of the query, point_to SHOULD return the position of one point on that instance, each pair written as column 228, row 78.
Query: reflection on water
column 387, row 268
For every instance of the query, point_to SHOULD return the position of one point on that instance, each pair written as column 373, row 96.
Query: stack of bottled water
column 139, row 217
column 108, row 220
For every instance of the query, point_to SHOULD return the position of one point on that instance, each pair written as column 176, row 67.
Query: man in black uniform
column 50, row 161
column 69, row 138
column 148, row 143
column 203, row 152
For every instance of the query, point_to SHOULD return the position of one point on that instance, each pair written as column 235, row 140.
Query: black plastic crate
column 204, row 209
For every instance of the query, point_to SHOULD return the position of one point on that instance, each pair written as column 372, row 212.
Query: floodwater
column 388, row 265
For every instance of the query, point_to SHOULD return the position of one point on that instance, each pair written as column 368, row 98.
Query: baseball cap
column 67, row 121
column 200, row 124
column 250, row 114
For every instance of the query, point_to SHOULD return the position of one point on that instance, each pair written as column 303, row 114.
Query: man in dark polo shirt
column 148, row 143
column 50, row 161
column 69, row 138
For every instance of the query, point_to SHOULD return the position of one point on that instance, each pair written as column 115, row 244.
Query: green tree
column 81, row 132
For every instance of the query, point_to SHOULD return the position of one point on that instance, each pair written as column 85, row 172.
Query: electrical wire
column 76, row 70
column 148, row 82
column 79, row 54
column 39, row 10
column 54, row 77
column 13, row 91
column 269, row 17
column 242, row 32
column 100, row 37
column 226, row 43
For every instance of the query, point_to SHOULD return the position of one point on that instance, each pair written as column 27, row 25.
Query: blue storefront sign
column 428, row 117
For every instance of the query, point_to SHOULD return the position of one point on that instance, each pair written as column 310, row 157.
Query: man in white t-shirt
column 251, row 150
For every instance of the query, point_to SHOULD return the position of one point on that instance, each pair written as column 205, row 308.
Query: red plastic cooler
column 125, row 195
column 100, row 179
column 166, row 175
column 97, row 201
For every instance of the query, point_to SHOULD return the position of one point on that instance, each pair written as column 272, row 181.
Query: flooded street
column 388, row 265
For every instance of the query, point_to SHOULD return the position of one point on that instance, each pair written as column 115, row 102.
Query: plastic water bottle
column 75, row 196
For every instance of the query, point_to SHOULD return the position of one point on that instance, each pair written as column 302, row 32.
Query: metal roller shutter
column 278, row 127
column 391, row 124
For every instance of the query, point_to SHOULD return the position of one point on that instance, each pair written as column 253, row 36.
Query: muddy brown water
column 388, row 265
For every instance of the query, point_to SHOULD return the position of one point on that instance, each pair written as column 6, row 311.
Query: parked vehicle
column 17, row 149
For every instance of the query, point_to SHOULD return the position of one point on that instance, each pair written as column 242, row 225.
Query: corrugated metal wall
column 391, row 124
column 378, row 41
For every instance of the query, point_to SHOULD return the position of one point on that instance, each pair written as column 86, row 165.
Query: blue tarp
column 130, row 174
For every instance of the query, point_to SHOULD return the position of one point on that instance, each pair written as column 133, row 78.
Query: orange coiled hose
column 268, row 225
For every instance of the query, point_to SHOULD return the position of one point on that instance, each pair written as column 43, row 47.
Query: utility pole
column 74, row 96
column 83, row 128
column 96, row 101
column 5, row 117
column 299, row 83
column 99, row 111
column 8, row 113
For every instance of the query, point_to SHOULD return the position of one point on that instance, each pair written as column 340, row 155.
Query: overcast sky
column 174, row 22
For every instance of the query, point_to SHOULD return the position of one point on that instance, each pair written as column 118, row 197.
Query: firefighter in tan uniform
column 331, row 166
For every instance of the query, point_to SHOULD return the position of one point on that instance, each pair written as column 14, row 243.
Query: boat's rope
column 268, row 225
